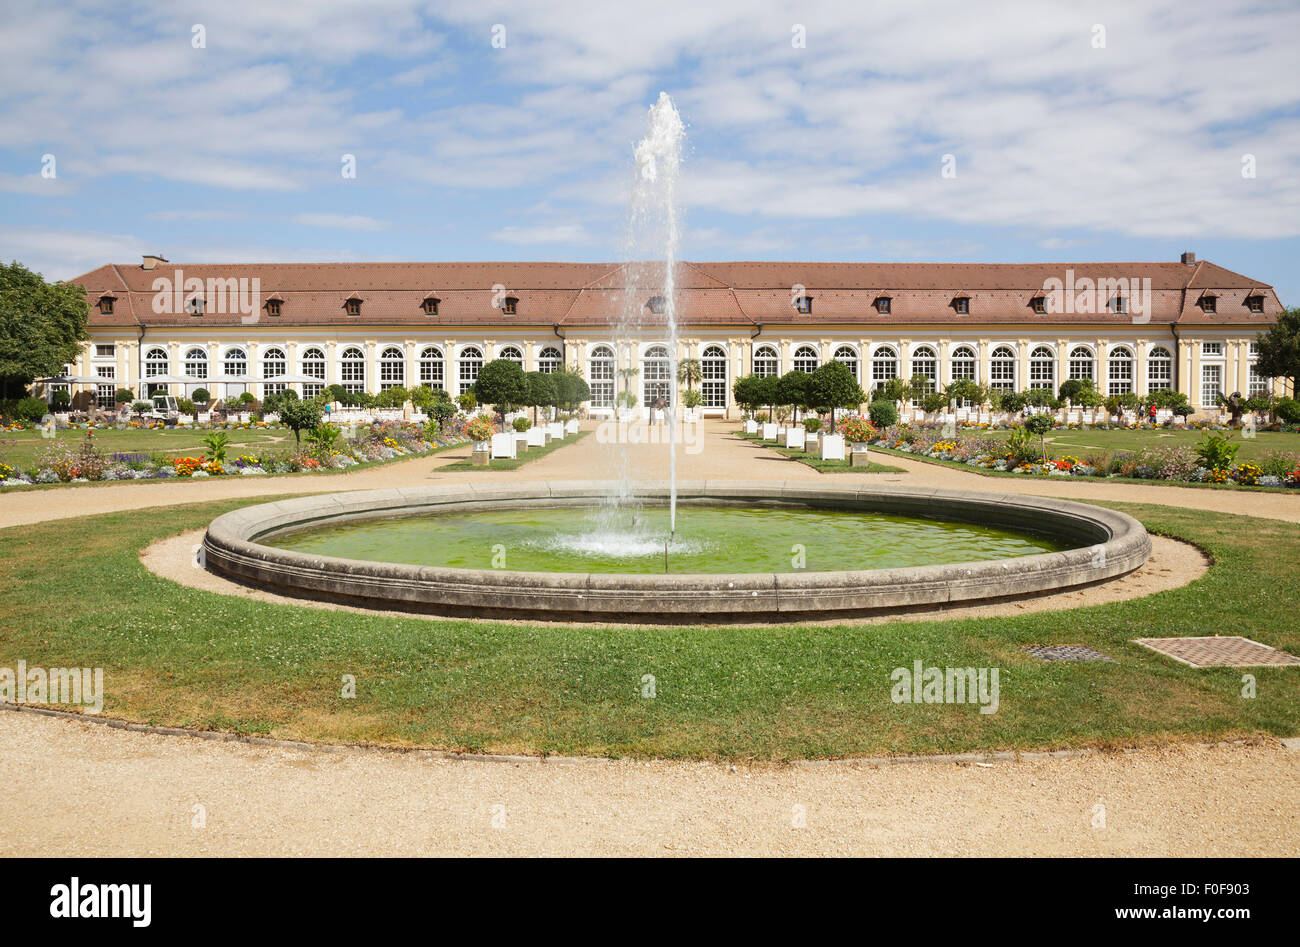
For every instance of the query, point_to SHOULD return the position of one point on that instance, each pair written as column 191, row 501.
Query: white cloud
column 341, row 221
column 544, row 234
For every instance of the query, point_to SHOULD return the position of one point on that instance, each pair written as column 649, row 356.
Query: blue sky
column 1080, row 131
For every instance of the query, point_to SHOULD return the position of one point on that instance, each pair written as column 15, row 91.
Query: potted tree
column 859, row 432
column 480, row 431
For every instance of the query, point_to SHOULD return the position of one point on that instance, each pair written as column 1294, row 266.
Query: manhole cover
column 1066, row 652
column 1227, row 651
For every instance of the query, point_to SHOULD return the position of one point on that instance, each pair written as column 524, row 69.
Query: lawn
column 74, row 593
column 19, row 447
column 815, row 462
column 1095, row 440
column 528, row 456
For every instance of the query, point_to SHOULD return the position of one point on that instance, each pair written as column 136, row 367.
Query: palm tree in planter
column 689, row 373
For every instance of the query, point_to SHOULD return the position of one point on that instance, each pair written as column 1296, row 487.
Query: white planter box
column 571, row 426
column 831, row 446
column 536, row 436
column 691, row 415
column 503, row 445
column 794, row 437
column 556, row 430
column 521, row 440
column 769, row 431
column 751, row 427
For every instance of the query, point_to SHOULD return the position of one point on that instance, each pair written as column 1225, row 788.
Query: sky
column 910, row 131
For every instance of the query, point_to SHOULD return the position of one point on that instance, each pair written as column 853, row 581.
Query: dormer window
column 1038, row 304
column 1209, row 304
column 194, row 305
column 657, row 305
column 961, row 305
column 1255, row 303
column 510, row 306
column 430, row 306
column 882, row 304
column 804, row 304
column 353, row 306
column 106, row 305
column 273, row 307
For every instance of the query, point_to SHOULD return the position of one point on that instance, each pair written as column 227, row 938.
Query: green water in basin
column 709, row 540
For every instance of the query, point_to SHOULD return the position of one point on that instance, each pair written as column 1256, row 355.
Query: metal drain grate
column 1066, row 652
column 1227, row 651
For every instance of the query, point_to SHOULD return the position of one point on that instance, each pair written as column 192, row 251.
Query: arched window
column 236, row 362
column 1042, row 368
column 656, row 376
column 1160, row 369
column 926, row 362
column 766, row 361
column 274, row 364
column 196, row 363
column 352, row 370
column 549, row 360
column 805, row 359
column 432, row 369
column 1119, row 371
column 1082, row 363
column 600, row 369
column 155, row 363
column 392, row 368
column 511, row 354
column 848, row 357
column 884, row 366
column 313, row 366
column 471, row 360
column 713, row 377
column 1002, row 368
column 962, row 363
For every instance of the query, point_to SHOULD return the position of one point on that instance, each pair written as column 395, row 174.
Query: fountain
column 761, row 552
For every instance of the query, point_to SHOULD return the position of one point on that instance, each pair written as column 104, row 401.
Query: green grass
column 73, row 593
column 815, row 462
column 19, row 448
column 1096, row 441
column 533, row 453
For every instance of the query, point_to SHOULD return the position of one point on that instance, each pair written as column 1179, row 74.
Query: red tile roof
column 738, row 293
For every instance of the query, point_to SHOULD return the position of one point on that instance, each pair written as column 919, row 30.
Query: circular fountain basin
column 1089, row 544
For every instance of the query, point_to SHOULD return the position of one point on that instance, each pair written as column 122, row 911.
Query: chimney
column 151, row 260
column 1189, row 258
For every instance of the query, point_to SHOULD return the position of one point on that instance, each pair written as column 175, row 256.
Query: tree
column 541, row 391
column 273, row 402
column 1279, row 348
column 501, row 383
column 792, row 389
column 42, row 326
column 1040, row 424
column 833, row 386
column 300, row 415
column 750, row 392
column 201, row 396
column 689, row 372
column 571, row 389
column 392, row 397
column 964, row 389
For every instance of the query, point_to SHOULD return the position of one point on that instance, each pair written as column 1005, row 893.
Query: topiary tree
column 692, row 399
column 541, row 392
column 501, row 383
column 201, row 396
column 882, row 412
column 60, row 400
column 124, row 396
column 792, row 390
column 571, row 389
column 300, row 415
column 1040, row 424
column 747, row 392
column 833, row 386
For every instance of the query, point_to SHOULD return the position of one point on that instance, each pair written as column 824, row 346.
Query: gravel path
column 75, row 788
column 90, row 790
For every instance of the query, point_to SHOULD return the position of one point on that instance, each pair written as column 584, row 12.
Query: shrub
column 522, row 424
column 186, row 406
column 858, row 430
column 1287, row 410
column 201, row 396
column 299, row 416
column 324, row 439
column 812, row 425
column 124, row 396
column 480, row 429
column 60, row 400
column 883, row 413
column 140, row 407
column 1216, row 452
column 216, row 443
column 30, row 409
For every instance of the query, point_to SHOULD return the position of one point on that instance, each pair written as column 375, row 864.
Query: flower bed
column 61, row 462
column 1176, row 464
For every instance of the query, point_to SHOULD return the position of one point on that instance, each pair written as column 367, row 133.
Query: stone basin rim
column 1107, row 545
